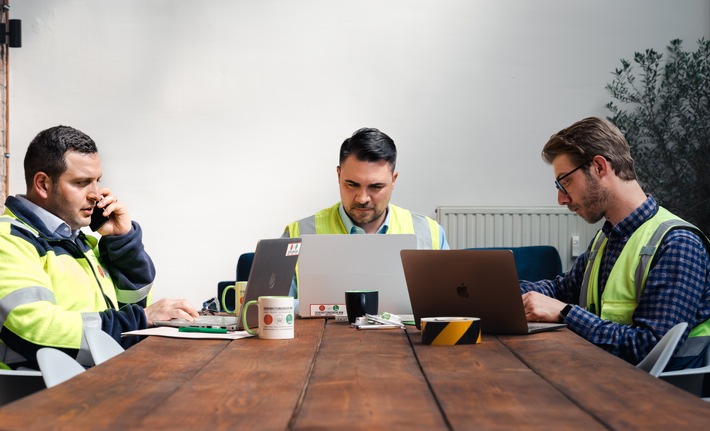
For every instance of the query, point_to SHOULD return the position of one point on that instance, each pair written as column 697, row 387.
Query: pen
column 199, row 329
column 377, row 326
column 384, row 321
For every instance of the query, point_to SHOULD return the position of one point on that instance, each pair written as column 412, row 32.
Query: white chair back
column 56, row 366
column 657, row 359
column 102, row 346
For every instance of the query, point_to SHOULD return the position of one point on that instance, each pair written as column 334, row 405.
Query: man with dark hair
column 55, row 281
column 645, row 271
column 367, row 175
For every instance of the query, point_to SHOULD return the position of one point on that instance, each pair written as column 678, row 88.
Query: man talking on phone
column 55, row 281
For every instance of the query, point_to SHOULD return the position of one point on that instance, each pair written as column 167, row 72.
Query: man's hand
column 119, row 222
column 167, row 309
column 541, row 308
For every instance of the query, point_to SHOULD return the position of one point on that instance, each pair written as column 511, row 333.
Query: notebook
column 271, row 274
column 331, row 264
column 468, row 283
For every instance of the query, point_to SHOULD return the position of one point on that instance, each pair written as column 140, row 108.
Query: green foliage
column 663, row 109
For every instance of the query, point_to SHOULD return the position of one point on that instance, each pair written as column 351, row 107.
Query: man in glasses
column 645, row 271
column 55, row 280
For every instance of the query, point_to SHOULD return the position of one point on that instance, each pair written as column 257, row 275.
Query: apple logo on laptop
column 462, row 291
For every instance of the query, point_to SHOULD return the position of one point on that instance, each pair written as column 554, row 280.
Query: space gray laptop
column 331, row 264
column 468, row 283
column 270, row 275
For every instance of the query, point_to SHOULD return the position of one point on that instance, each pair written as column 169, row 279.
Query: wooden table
column 332, row 376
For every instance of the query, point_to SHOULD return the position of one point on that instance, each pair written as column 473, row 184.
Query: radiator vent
column 473, row 227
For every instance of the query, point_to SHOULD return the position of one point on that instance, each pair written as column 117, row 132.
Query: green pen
column 202, row 329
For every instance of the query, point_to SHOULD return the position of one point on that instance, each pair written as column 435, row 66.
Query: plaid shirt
column 677, row 289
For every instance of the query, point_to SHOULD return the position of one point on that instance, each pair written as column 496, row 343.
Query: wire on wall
column 10, row 37
column 5, row 103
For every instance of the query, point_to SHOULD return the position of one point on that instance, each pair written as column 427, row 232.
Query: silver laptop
column 331, row 264
column 271, row 274
column 468, row 283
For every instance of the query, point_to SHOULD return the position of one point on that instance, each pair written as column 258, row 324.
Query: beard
column 362, row 219
column 64, row 210
column 592, row 207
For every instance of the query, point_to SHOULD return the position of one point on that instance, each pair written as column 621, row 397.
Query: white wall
column 219, row 121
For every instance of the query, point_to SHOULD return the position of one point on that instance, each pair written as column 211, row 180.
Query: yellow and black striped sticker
column 450, row 331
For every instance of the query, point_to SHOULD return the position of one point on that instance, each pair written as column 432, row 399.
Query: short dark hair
column 369, row 145
column 46, row 151
column 591, row 137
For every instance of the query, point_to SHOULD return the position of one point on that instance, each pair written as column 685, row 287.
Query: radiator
column 469, row 227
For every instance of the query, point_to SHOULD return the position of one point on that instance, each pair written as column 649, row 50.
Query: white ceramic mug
column 275, row 317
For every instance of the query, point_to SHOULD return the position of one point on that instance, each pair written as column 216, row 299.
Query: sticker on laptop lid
column 293, row 249
column 328, row 310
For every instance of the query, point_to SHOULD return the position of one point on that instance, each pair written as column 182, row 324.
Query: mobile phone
column 97, row 219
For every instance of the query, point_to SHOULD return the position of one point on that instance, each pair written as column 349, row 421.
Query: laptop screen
column 331, row 264
column 270, row 275
column 468, row 283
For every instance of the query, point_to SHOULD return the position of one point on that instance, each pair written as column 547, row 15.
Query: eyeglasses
column 210, row 307
column 558, row 182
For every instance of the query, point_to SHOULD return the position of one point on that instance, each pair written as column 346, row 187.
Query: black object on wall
column 12, row 33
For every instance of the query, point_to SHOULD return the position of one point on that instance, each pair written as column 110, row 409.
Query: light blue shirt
column 53, row 223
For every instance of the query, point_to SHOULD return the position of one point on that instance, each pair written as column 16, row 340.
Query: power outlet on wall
column 575, row 246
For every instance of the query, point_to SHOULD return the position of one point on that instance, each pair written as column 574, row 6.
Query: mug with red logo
column 275, row 317
column 236, row 298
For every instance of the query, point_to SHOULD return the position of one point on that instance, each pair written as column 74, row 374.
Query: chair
column 534, row 262
column 655, row 362
column 243, row 271
column 15, row 384
column 56, row 366
column 244, row 266
column 691, row 379
column 101, row 345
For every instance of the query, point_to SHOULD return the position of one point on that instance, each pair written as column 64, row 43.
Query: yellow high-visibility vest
column 627, row 278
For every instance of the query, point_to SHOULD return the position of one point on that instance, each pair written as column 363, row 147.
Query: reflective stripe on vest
column 18, row 224
column 129, row 296
column 89, row 320
column 624, row 287
column 23, row 296
column 33, row 294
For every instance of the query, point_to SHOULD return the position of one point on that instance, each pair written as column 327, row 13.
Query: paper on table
column 166, row 331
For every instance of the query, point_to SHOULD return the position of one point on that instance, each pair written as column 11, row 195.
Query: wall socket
column 576, row 251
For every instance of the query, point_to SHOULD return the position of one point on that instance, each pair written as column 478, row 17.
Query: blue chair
column 535, row 262
column 243, row 270
column 244, row 266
